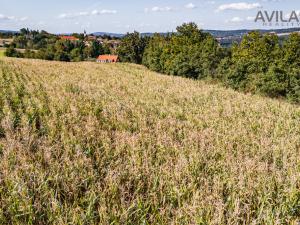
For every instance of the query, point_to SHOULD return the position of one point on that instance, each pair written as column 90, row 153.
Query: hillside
column 88, row 143
column 2, row 52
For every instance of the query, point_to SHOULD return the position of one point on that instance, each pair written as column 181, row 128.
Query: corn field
column 88, row 143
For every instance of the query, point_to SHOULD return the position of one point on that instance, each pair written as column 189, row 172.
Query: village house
column 69, row 38
column 114, row 44
column 91, row 38
column 108, row 58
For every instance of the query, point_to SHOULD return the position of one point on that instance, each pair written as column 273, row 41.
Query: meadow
column 2, row 51
column 88, row 143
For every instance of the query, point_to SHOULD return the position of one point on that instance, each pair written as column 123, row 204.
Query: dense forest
column 260, row 63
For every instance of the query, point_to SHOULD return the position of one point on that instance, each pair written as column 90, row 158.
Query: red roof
column 113, row 58
column 70, row 38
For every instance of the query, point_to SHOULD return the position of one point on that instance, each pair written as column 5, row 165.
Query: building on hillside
column 87, row 43
column 5, row 42
column 108, row 58
column 114, row 44
column 69, row 38
column 91, row 38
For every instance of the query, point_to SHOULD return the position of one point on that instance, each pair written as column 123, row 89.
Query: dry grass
column 2, row 51
column 86, row 143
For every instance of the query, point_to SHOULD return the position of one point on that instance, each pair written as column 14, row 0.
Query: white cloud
column 236, row 20
column 13, row 18
column 95, row 12
column 211, row 2
column 65, row 16
column 73, row 15
column 190, row 6
column 159, row 9
column 250, row 18
column 238, row 6
column 23, row 18
column 3, row 17
column 84, row 14
column 104, row 11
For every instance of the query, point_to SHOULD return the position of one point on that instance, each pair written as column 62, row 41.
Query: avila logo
column 278, row 18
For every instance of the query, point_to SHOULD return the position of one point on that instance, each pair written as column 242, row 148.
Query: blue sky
column 122, row 16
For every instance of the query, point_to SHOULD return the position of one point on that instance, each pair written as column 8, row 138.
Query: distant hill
column 108, row 34
column 231, row 33
column 215, row 33
column 225, row 37
column 9, row 31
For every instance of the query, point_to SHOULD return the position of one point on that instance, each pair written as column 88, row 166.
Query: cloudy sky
column 121, row 16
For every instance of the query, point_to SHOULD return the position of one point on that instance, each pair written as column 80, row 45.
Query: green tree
column 291, row 63
column 105, row 49
column 275, row 82
column 62, row 56
column 12, row 52
column 75, row 55
column 132, row 48
column 190, row 52
column 153, row 53
column 252, row 59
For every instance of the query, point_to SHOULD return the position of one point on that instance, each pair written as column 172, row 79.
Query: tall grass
column 2, row 52
column 88, row 143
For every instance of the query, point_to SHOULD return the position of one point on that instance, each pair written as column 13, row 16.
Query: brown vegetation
column 87, row 143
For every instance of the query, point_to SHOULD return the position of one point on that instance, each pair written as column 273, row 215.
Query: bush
column 274, row 83
column 189, row 53
column 12, row 52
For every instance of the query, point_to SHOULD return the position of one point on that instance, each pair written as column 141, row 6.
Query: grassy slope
column 93, row 143
column 2, row 52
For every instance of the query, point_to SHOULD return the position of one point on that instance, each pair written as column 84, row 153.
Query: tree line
column 43, row 45
column 261, row 63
